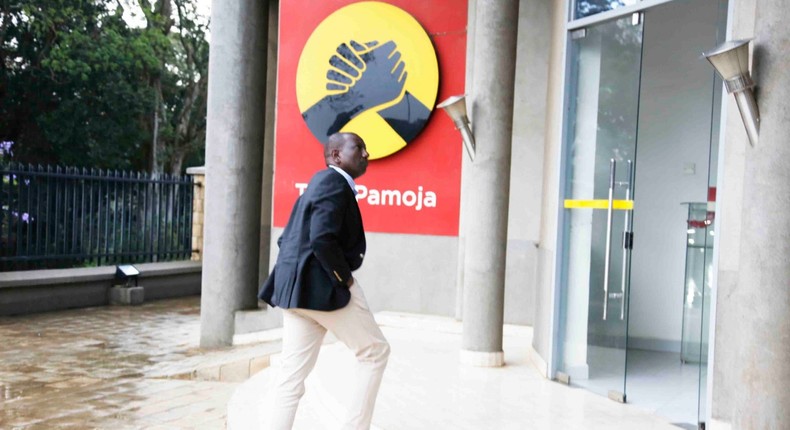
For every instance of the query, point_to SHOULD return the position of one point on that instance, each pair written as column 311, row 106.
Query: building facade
column 635, row 227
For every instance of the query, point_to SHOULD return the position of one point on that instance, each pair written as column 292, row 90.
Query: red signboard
column 412, row 185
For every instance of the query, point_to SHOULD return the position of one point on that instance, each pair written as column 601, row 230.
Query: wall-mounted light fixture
column 731, row 60
column 455, row 107
column 127, row 273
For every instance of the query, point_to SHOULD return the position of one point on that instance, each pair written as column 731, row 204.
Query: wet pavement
column 141, row 368
column 119, row 368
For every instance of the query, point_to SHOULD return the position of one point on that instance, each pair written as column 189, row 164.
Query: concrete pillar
column 762, row 367
column 493, row 80
column 198, row 198
column 234, row 144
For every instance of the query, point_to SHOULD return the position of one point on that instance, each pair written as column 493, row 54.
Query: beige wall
column 544, row 297
column 526, row 173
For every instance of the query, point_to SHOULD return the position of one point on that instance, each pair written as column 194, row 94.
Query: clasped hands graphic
column 361, row 76
column 375, row 73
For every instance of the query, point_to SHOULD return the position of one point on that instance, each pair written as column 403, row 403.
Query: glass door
column 697, row 295
column 605, row 72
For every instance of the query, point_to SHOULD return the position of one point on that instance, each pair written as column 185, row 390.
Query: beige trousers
column 303, row 332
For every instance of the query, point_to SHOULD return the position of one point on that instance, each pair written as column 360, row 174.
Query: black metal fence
column 69, row 217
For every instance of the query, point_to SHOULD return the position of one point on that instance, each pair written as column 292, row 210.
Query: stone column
column 495, row 31
column 762, row 364
column 198, row 199
column 234, row 144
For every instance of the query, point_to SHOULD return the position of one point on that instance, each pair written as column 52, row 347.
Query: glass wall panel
column 697, row 291
column 604, row 99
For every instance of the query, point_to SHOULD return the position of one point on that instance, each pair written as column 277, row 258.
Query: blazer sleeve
column 326, row 223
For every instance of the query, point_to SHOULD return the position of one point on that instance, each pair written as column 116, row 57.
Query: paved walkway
column 140, row 368
column 118, row 368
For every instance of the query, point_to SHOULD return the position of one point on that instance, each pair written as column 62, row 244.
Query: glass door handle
column 610, row 207
column 627, row 240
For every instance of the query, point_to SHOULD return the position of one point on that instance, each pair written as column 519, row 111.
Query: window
column 591, row 7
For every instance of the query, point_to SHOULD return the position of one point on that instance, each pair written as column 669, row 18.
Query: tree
column 79, row 85
column 179, row 119
column 73, row 93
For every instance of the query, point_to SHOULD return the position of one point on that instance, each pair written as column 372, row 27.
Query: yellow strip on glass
column 621, row 205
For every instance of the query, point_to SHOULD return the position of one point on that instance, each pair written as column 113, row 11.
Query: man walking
column 312, row 282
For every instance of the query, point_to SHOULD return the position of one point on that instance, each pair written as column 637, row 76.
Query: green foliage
column 80, row 86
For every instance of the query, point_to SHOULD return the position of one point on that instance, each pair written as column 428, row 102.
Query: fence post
column 199, row 182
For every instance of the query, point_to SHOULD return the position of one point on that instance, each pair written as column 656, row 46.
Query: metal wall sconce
column 455, row 107
column 731, row 61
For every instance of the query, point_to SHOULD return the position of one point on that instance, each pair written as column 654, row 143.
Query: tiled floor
column 656, row 382
column 660, row 383
column 425, row 387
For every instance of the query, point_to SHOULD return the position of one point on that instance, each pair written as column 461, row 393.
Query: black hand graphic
column 362, row 77
column 407, row 117
column 383, row 77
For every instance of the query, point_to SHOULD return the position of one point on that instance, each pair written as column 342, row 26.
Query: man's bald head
column 336, row 142
column 348, row 152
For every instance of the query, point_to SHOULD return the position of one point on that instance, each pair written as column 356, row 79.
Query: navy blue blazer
column 322, row 244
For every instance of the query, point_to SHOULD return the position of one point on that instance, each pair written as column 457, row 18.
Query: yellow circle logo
column 369, row 68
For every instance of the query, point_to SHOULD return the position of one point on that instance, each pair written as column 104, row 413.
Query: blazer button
column 361, row 255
